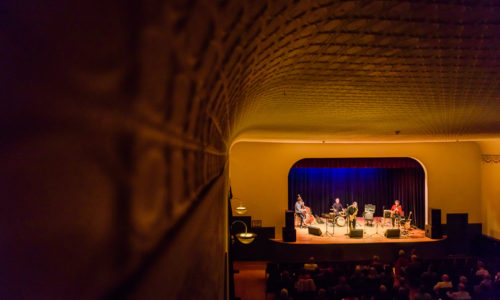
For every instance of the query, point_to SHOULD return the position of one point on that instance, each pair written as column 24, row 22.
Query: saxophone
column 351, row 217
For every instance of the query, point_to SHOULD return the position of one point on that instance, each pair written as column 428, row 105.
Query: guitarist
column 396, row 212
column 352, row 211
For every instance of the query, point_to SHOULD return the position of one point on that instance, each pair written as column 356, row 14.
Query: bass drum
column 340, row 221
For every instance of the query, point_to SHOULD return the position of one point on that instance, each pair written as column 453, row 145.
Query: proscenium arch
column 421, row 194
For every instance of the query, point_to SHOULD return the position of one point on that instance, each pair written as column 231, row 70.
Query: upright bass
column 308, row 216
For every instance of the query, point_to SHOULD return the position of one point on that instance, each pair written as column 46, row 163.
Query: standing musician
column 352, row 211
column 300, row 210
column 337, row 207
column 396, row 212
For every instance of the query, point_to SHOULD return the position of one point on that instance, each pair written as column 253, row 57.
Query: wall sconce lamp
column 244, row 237
column 240, row 209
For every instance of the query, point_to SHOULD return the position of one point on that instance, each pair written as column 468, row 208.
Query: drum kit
column 340, row 218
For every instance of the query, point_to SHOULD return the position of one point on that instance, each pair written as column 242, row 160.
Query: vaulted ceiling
column 346, row 70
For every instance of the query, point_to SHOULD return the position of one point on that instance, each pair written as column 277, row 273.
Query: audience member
column 401, row 263
column 481, row 270
column 422, row 294
column 373, row 281
column 444, row 286
column 461, row 294
column 321, row 295
column 413, row 271
column 377, row 264
column 311, row 266
column 284, row 295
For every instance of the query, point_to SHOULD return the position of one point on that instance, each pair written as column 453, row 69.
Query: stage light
column 244, row 237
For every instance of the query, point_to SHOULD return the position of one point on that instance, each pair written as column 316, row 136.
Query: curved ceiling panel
column 343, row 70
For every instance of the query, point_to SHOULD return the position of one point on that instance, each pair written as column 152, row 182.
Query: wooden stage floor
column 371, row 234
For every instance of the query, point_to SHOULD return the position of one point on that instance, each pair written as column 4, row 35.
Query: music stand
column 326, row 233
column 377, row 225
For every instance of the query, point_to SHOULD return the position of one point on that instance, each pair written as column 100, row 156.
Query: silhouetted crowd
column 408, row 277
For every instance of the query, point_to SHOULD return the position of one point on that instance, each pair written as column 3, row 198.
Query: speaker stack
column 457, row 233
column 289, row 233
column 434, row 230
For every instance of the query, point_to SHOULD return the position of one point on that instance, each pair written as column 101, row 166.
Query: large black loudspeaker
column 456, row 225
column 433, row 232
column 356, row 233
column 314, row 230
column 392, row 233
column 434, row 229
column 289, row 219
column 434, row 217
column 289, row 235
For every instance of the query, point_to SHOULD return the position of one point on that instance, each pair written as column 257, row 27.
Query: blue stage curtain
column 393, row 178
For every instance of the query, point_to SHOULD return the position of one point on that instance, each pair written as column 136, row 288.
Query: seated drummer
column 337, row 206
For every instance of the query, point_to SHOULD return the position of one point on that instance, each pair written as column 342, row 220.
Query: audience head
column 413, row 258
column 401, row 252
column 376, row 258
column 284, row 293
column 461, row 287
column 480, row 264
column 382, row 288
column 463, row 279
column 321, row 292
column 445, row 277
column 342, row 279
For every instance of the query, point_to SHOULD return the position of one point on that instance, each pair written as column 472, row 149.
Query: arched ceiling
column 348, row 70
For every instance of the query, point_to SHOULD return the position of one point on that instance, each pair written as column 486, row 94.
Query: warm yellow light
column 244, row 237
column 240, row 210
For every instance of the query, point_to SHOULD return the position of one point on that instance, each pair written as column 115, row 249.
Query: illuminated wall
column 490, row 187
column 259, row 173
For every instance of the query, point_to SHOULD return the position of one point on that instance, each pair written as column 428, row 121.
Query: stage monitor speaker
column 434, row 217
column 314, row 230
column 387, row 213
column 392, row 233
column 433, row 232
column 289, row 234
column 289, row 219
column 356, row 233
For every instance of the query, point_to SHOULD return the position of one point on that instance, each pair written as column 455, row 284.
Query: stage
column 340, row 246
column 371, row 234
